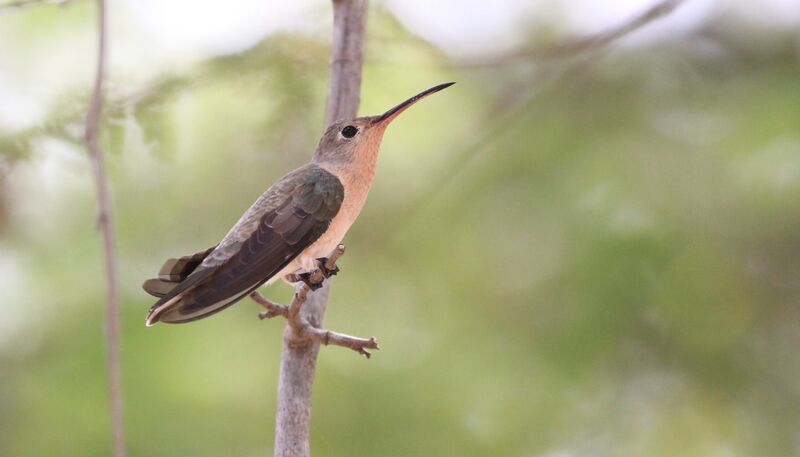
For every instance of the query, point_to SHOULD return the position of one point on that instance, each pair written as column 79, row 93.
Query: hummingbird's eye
column 349, row 131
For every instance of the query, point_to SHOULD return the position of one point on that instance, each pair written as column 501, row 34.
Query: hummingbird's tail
column 177, row 278
column 173, row 272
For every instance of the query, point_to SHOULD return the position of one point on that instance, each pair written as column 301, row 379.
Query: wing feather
column 287, row 219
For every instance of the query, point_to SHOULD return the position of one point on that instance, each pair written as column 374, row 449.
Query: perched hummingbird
column 287, row 232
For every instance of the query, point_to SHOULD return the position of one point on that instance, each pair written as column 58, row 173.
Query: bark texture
column 299, row 357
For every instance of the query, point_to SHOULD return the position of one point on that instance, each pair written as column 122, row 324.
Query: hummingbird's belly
column 329, row 240
column 326, row 243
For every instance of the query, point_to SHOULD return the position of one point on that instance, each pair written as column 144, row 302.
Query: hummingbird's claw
column 313, row 279
column 323, row 261
column 306, row 278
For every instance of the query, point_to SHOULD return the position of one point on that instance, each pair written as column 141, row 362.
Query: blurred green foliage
column 586, row 258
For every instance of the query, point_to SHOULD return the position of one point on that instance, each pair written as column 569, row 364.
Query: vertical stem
column 105, row 224
column 347, row 59
column 299, row 358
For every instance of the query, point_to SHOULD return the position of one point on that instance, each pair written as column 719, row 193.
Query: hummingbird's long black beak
column 394, row 112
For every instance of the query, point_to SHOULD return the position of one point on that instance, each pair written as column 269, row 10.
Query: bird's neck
column 356, row 175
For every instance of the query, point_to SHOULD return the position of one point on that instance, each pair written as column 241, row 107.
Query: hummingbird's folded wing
column 288, row 218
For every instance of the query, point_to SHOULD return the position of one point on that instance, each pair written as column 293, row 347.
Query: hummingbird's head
column 349, row 141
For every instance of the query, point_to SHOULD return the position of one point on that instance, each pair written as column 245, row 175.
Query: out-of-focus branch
column 22, row 4
column 105, row 224
column 65, row 120
column 580, row 45
column 513, row 100
column 299, row 357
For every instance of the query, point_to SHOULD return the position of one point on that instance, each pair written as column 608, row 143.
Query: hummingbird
column 289, row 229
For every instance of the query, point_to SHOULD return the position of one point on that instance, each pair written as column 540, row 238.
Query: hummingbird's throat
column 364, row 160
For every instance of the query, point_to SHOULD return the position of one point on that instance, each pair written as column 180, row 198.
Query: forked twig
column 272, row 309
column 301, row 326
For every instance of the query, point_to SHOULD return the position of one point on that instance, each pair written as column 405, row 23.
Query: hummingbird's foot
column 323, row 267
column 310, row 281
column 314, row 279
column 303, row 327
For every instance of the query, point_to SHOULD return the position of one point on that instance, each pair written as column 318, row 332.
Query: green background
column 588, row 256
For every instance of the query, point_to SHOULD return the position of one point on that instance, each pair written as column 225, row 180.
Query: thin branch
column 347, row 59
column 581, row 45
column 302, row 327
column 105, row 224
column 299, row 356
column 272, row 309
column 327, row 337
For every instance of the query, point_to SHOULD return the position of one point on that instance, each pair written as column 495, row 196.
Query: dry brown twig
column 303, row 328
column 299, row 356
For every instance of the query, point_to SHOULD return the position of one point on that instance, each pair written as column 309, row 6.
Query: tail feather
column 182, row 308
column 158, row 287
column 170, row 276
column 176, row 270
